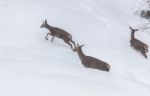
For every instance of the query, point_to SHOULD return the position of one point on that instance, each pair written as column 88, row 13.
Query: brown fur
column 91, row 62
column 145, row 14
column 137, row 44
column 59, row 33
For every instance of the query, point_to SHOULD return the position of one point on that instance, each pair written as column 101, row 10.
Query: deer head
column 44, row 24
column 77, row 48
column 133, row 30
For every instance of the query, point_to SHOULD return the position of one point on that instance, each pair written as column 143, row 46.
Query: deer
column 145, row 14
column 59, row 33
column 91, row 62
column 137, row 44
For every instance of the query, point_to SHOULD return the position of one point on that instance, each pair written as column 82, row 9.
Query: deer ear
column 45, row 21
column 81, row 45
column 130, row 27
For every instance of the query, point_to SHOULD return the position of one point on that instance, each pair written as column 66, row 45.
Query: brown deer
column 59, row 33
column 145, row 14
column 91, row 62
column 137, row 44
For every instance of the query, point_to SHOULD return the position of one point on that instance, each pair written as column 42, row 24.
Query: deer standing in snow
column 91, row 62
column 137, row 44
column 59, row 33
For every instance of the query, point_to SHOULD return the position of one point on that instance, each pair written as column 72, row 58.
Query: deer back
column 60, row 33
column 95, row 63
column 138, row 45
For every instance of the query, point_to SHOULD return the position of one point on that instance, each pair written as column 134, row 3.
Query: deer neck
column 81, row 54
column 48, row 27
column 132, row 35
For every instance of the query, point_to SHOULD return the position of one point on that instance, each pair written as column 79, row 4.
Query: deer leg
column 73, row 42
column 70, row 45
column 67, row 41
column 144, row 55
column 52, row 39
column 46, row 37
column 146, row 50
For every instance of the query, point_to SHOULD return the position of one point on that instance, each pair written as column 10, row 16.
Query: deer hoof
column 46, row 38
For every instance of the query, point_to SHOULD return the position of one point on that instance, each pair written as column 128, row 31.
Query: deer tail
column 108, row 66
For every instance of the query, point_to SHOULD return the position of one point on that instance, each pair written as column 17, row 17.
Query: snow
column 32, row 66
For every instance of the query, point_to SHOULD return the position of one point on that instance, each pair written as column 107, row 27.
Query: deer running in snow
column 91, row 62
column 137, row 44
column 59, row 33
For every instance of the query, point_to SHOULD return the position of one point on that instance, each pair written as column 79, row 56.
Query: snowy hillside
column 32, row 66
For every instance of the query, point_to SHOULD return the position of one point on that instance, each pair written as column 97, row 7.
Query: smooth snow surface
column 32, row 66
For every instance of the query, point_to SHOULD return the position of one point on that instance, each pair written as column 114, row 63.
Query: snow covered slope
column 32, row 66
